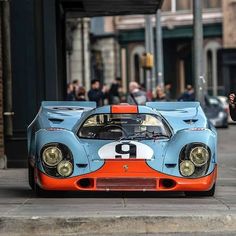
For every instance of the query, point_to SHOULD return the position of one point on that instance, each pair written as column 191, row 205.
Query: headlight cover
column 199, row 156
column 65, row 168
column 52, row 156
column 187, row 168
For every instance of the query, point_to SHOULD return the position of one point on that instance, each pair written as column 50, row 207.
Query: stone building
column 117, row 44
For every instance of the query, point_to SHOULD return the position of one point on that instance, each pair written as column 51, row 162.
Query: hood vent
column 55, row 120
column 190, row 121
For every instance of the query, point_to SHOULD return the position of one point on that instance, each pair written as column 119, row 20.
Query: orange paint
column 124, row 109
column 130, row 171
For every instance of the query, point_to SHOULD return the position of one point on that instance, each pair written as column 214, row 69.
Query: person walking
column 160, row 95
column 81, row 94
column 232, row 106
column 114, row 92
column 188, row 95
column 136, row 95
column 96, row 94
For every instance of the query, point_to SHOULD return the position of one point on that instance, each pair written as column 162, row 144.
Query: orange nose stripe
column 124, row 109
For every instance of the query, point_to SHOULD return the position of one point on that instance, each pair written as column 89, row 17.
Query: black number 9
column 132, row 151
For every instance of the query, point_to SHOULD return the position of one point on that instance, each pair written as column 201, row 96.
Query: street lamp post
column 149, row 48
column 199, row 81
column 159, row 50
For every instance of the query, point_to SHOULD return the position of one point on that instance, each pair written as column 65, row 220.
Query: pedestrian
column 159, row 94
column 81, row 94
column 114, row 92
column 70, row 96
column 188, row 95
column 96, row 94
column 76, row 86
column 136, row 95
column 232, row 106
column 168, row 91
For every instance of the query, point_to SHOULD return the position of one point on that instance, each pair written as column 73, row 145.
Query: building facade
column 177, row 27
column 121, row 43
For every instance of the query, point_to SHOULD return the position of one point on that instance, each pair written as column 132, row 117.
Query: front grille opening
column 126, row 183
column 86, row 183
column 167, row 183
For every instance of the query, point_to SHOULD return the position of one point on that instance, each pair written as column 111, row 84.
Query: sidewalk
column 21, row 213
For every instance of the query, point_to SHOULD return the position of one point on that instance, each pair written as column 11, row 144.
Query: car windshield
column 124, row 126
column 213, row 101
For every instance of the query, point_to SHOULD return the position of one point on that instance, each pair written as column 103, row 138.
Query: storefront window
column 183, row 5
column 209, row 69
column 211, row 4
column 166, row 5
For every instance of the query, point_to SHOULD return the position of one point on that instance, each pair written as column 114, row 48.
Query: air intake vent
column 190, row 121
column 55, row 120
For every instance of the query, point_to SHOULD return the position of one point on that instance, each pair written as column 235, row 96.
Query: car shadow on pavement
column 110, row 194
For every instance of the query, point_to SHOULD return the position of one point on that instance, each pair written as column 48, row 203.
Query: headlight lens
column 221, row 114
column 52, row 156
column 65, row 168
column 199, row 156
column 187, row 168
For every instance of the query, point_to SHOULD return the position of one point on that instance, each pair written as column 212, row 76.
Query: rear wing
column 68, row 104
column 170, row 106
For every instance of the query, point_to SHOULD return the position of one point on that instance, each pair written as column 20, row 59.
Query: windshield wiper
column 152, row 134
column 148, row 134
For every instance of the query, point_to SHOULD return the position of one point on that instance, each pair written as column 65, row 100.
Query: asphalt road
column 21, row 213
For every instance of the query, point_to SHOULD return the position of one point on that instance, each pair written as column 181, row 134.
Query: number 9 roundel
column 125, row 150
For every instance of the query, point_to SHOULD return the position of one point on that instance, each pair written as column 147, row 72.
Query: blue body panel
column 58, row 122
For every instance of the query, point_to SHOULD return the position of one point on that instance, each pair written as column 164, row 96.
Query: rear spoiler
column 170, row 106
column 68, row 104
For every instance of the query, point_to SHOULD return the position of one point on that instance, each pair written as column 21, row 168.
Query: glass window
column 124, row 126
column 211, row 4
column 209, row 68
column 166, row 5
column 183, row 5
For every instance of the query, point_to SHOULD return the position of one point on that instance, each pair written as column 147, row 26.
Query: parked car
column 215, row 112
column 225, row 102
column 163, row 146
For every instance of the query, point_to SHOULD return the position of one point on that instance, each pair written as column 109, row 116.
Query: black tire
column 209, row 193
column 39, row 192
column 31, row 176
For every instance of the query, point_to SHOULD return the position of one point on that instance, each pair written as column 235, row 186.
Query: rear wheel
column 209, row 193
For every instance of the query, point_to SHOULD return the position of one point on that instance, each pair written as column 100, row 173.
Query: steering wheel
column 109, row 127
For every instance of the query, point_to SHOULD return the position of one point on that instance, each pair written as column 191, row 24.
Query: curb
column 113, row 225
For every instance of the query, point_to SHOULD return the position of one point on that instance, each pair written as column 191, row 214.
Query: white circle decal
column 125, row 150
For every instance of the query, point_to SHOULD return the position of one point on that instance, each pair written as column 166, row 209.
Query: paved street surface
column 122, row 213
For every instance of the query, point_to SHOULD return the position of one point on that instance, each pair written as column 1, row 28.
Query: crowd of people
column 114, row 94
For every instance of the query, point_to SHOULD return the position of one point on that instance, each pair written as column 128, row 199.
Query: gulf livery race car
column 163, row 146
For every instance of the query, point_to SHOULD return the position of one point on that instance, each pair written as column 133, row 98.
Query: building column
column 2, row 151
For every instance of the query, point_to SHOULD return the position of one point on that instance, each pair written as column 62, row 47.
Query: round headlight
column 65, row 168
column 199, row 156
column 52, row 156
column 187, row 168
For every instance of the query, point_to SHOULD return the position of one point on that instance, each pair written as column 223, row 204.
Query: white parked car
column 225, row 102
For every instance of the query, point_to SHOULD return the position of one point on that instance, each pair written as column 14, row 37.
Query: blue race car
column 163, row 146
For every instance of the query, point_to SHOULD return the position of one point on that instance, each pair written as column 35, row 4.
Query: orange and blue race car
column 163, row 146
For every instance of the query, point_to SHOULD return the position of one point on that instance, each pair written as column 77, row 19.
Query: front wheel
column 31, row 176
column 209, row 193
